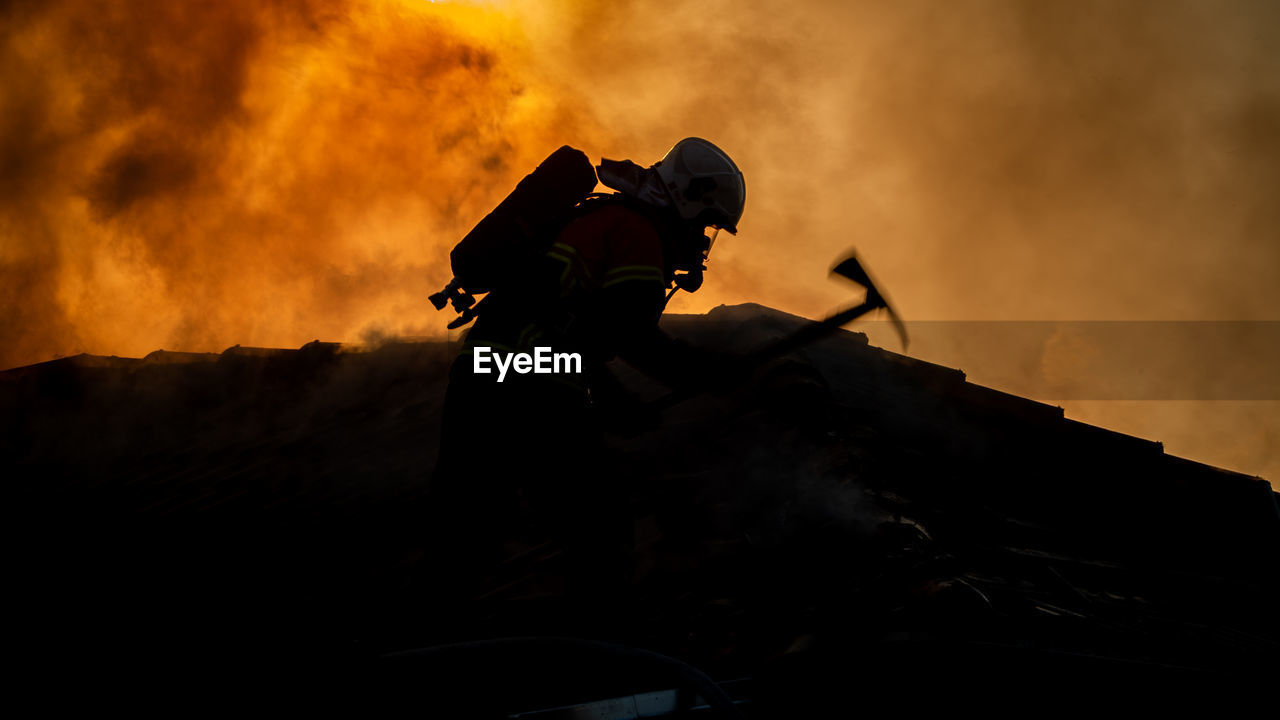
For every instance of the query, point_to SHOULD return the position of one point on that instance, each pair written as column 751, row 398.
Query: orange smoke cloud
column 197, row 175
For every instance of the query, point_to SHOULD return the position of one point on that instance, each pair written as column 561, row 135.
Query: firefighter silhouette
column 576, row 274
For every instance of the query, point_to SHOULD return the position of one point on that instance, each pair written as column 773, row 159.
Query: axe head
column 852, row 269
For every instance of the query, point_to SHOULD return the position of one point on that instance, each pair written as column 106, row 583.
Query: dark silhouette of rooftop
column 220, row 518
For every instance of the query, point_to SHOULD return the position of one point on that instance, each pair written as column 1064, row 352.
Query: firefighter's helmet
column 703, row 183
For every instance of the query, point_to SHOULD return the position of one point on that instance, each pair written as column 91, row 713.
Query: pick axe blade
column 852, row 269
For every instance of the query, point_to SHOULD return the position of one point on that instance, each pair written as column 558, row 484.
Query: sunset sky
column 194, row 175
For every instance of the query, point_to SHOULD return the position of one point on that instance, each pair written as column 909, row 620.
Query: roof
column 853, row 509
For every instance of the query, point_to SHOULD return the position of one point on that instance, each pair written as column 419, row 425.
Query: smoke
column 196, row 175
column 990, row 160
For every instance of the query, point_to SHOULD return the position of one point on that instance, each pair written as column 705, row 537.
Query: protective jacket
column 598, row 291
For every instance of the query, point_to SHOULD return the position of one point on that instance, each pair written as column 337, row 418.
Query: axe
column 848, row 268
column 851, row 269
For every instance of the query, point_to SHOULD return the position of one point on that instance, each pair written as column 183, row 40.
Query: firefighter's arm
column 633, row 291
column 636, row 337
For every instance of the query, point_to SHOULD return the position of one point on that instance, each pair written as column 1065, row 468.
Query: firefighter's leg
column 465, row 515
column 590, row 517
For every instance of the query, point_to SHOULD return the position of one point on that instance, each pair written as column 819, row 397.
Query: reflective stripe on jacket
column 600, row 286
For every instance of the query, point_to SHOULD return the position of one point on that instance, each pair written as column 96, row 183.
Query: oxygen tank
column 524, row 223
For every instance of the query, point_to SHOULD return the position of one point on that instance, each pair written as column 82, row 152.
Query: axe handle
column 808, row 334
column 813, row 332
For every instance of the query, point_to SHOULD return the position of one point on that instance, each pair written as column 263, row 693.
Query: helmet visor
column 711, row 232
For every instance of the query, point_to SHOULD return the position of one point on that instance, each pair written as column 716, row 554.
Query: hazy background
column 191, row 176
